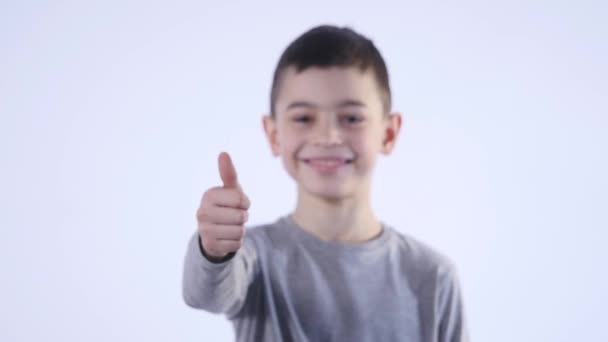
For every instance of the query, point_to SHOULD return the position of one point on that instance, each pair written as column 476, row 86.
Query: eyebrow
column 342, row 104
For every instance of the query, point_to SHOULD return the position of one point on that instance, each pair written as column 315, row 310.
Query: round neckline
column 309, row 239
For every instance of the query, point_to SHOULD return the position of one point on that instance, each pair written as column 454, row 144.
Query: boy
column 329, row 271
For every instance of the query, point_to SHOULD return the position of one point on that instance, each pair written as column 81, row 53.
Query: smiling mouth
column 327, row 163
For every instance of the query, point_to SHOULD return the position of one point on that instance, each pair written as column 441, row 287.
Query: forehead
column 326, row 87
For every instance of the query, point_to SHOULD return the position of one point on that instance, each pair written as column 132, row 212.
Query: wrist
column 211, row 258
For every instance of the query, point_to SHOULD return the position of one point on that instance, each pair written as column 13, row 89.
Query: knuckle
column 206, row 196
column 202, row 214
column 209, row 196
column 205, row 241
column 246, row 201
column 241, row 217
column 210, row 244
column 204, row 229
column 240, row 198
column 234, row 245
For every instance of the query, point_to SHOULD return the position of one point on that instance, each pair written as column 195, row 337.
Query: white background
column 113, row 113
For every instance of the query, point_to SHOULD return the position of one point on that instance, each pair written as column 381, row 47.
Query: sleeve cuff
column 210, row 258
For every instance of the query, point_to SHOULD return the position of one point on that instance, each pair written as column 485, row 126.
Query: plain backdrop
column 113, row 114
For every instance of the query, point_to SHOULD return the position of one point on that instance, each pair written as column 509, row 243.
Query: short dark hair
column 327, row 46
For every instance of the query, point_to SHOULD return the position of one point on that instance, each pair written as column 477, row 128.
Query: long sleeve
column 452, row 322
column 218, row 287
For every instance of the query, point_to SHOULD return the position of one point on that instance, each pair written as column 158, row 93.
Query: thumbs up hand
column 223, row 213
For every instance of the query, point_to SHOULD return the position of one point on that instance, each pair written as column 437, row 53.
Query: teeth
column 327, row 162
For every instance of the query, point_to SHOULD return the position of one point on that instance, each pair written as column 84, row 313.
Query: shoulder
column 419, row 257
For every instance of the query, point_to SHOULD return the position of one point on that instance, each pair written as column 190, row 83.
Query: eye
column 302, row 118
column 351, row 119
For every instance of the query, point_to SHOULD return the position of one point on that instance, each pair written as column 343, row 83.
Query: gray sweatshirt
column 285, row 284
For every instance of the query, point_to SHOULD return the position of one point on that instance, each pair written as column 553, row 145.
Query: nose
column 327, row 132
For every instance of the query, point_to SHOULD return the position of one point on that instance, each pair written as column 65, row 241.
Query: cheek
column 289, row 143
column 367, row 147
column 366, row 142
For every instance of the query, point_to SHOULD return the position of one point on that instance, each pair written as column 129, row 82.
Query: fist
column 223, row 213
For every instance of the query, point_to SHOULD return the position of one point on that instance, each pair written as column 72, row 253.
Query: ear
column 392, row 127
column 270, row 128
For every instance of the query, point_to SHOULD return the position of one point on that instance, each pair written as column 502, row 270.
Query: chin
column 328, row 193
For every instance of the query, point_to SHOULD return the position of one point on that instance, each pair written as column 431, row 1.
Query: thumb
column 227, row 171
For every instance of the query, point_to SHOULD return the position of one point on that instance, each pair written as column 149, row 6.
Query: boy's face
column 329, row 127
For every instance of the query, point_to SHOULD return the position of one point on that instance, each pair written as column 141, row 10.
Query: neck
column 347, row 220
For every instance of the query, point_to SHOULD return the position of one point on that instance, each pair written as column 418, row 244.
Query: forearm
column 218, row 287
